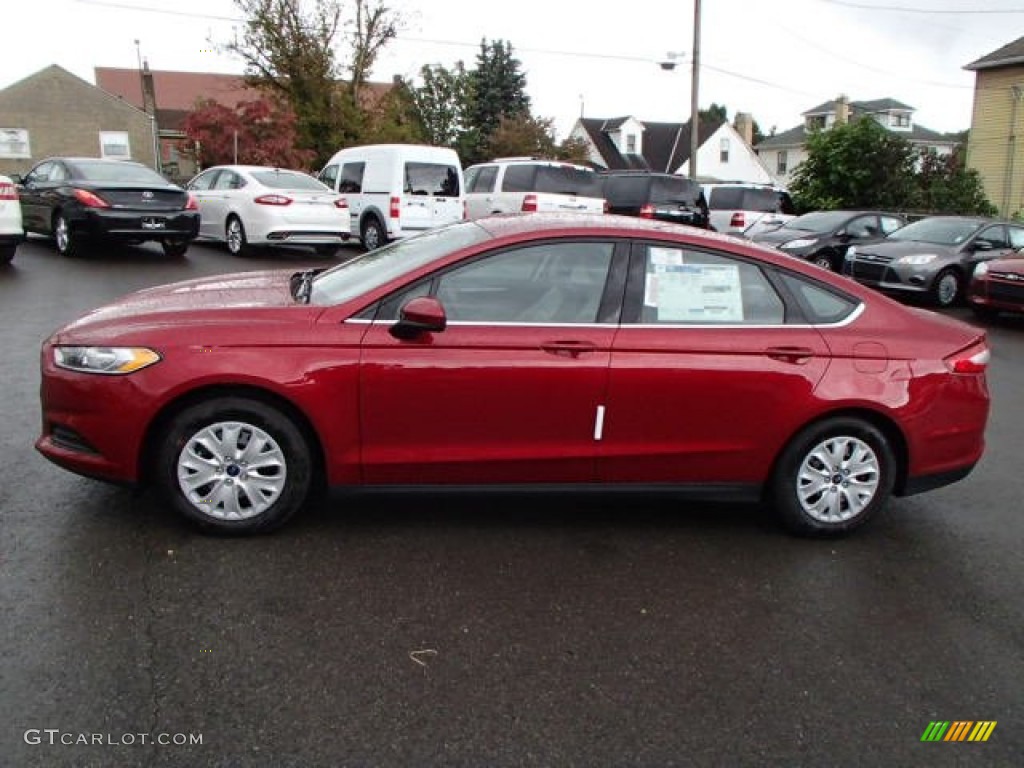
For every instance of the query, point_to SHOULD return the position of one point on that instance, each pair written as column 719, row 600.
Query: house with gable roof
column 783, row 152
column 993, row 149
column 628, row 143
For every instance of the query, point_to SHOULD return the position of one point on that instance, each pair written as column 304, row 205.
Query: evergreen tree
column 497, row 89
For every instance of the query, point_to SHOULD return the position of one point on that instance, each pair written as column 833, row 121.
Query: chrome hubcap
column 838, row 479
column 947, row 288
column 823, row 262
column 371, row 240
column 234, row 236
column 231, row 470
column 62, row 234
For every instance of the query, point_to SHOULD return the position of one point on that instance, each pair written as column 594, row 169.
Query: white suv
column 746, row 208
column 11, row 232
column 509, row 185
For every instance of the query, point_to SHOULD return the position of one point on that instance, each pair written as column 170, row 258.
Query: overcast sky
column 775, row 59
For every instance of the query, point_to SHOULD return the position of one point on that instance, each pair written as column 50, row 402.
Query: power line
column 905, row 9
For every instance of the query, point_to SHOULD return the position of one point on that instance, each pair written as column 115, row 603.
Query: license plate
column 151, row 223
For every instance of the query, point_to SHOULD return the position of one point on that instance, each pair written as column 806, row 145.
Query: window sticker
column 698, row 293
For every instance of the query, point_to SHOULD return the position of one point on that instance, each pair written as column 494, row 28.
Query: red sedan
column 518, row 351
column 998, row 286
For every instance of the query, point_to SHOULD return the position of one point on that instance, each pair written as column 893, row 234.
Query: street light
column 670, row 64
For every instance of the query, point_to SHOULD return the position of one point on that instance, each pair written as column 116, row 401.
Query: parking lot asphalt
column 480, row 631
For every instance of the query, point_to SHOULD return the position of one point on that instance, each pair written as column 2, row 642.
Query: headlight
column 801, row 242
column 850, row 253
column 109, row 360
column 918, row 260
column 981, row 270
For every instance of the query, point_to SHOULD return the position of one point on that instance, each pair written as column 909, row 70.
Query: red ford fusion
column 519, row 351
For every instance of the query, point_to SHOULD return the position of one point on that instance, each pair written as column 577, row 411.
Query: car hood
column 897, row 248
column 202, row 298
column 1014, row 266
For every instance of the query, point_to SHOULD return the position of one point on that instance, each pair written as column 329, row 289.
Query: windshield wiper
column 301, row 284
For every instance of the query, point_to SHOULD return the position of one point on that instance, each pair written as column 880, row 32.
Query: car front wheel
column 833, row 477
column 947, row 288
column 235, row 465
column 234, row 235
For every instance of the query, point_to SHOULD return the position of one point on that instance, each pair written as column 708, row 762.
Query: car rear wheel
column 235, row 465
column 946, row 288
column 175, row 247
column 68, row 243
column 7, row 253
column 234, row 235
column 373, row 235
column 833, row 477
column 824, row 260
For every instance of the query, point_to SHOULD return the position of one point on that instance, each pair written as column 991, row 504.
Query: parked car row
column 11, row 230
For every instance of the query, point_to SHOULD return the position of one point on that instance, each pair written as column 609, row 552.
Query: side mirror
column 424, row 314
column 16, row 178
column 981, row 245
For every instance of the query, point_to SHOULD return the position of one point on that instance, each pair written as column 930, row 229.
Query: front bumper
column 890, row 276
column 997, row 293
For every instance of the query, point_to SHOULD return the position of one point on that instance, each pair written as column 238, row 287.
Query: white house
column 628, row 143
column 783, row 152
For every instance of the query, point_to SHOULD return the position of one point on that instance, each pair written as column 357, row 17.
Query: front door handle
column 569, row 348
column 797, row 355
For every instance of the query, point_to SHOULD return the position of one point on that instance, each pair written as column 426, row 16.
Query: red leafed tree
column 266, row 135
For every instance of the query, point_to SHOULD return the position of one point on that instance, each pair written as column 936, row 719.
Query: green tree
column 441, row 103
column 856, row 165
column 497, row 89
column 394, row 119
column 288, row 47
column 946, row 185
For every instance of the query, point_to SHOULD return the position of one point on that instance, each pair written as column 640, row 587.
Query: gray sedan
column 933, row 257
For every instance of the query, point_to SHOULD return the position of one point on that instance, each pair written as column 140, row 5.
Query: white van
column 397, row 190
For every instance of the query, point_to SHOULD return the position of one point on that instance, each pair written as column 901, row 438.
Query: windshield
column 289, row 180
column 939, row 231
column 101, row 170
column 376, row 268
column 819, row 221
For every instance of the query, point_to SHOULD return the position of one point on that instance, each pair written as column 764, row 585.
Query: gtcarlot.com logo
column 55, row 736
column 958, row 730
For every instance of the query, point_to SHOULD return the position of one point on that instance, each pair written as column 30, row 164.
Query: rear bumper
column 923, row 483
column 11, row 238
column 116, row 224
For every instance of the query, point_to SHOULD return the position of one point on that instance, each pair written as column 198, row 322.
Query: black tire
column 372, row 233
column 67, row 240
column 825, row 260
column 7, row 253
column 947, row 288
column 230, row 502
column 988, row 314
column 235, row 238
column 831, row 506
column 175, row 247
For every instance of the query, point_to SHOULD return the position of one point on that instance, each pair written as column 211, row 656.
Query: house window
column 14, row 143
column 723, row 151
column 114, row 144
column 901, row 120
column 631, row 144
column 815, row 123
column 782, row 161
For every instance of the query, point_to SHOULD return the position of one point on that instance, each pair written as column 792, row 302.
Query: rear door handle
column 798, row 355
column 569, row 348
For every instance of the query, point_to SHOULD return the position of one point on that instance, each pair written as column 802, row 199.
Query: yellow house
column 994, row 149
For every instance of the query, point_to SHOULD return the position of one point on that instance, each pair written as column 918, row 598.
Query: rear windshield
column 288, row 180
column 552, row 179
column 750, row 199
column 118, row 171
column 432, row 179
column 640, row 189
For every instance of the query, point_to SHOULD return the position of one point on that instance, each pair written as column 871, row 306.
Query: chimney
column 148, row 91
column 842, row 109
column 744, row 125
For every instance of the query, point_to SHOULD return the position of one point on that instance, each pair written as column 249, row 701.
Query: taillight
column 738, row 220
column 465, row 211
column 8, row 191
column 974, row 359
column 341, row 202
column 647, row 211
column 530, row 204
column 90, row 199
column 395, row 210
column 191, row 205
column 273, row 200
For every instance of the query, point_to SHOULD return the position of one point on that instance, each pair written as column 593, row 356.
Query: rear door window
column 519, row 178
column 431, row 179
column 567, row 180
column 626, row 191
column 669, row 190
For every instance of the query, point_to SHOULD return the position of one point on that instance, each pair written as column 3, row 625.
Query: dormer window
column 631, row 144
column 901, row 120
column 815, row 122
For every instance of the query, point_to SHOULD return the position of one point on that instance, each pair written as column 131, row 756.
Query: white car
column 747, row 208
column 509, row 185
column 11, row 232
column 250, row 205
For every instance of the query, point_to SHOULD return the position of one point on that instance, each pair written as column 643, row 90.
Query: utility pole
column 694, row 100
